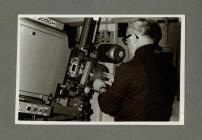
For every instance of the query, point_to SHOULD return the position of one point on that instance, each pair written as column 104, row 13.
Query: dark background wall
column 193, row 80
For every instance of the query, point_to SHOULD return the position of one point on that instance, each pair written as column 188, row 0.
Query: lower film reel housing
column 75, row 105
column 77, row 101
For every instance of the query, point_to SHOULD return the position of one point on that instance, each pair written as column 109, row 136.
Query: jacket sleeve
column 110, row 101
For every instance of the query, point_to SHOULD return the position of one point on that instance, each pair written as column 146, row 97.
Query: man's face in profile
column 131, row 42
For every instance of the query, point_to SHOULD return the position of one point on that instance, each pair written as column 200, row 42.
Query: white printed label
column 47, row 21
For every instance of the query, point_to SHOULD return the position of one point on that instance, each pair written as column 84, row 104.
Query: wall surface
column 9, row 11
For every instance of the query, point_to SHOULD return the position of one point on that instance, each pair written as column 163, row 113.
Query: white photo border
column 182, row 72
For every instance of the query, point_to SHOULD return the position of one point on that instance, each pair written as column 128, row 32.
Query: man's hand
column 99, row 85
column 110, row 78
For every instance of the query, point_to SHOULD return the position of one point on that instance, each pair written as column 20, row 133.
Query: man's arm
column 110, row 101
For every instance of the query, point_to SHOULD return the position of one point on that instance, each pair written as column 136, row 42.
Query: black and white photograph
column 100, row 70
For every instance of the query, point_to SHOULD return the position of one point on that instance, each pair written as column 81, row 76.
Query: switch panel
column 35, row 109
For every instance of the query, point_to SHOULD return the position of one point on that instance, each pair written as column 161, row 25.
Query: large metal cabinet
column 43, row 55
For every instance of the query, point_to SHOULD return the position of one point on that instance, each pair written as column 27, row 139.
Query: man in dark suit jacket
column 143, row 88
